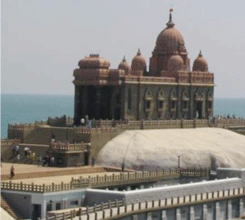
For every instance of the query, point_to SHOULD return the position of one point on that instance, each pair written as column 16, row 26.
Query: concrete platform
column 47, row 175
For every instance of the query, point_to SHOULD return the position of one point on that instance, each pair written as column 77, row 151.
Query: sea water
column 31, row 108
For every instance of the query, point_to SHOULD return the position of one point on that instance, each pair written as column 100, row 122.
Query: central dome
column 170, row 40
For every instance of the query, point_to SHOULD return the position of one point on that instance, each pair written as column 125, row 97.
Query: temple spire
column 200, row 54
column 170, row 22
column 139, row 53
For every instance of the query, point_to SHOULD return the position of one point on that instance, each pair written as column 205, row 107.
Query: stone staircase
column 39, row 150
column 40, row 135
column 13, row 212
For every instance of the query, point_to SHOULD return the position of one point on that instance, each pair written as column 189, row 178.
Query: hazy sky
column 43, row 40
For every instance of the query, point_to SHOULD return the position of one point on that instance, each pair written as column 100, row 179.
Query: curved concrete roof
column 197, row 148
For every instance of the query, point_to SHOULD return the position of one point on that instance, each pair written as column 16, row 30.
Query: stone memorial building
column 169, row 89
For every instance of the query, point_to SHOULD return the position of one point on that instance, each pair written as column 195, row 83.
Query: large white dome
column 159, row 149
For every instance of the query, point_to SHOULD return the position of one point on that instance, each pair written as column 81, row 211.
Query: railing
column 106, row 180
column 59, row 146
column 118, row 208
column 85, row 130
column 150, row 79
column 9, row 142
column 234, row 121
column 125, row 178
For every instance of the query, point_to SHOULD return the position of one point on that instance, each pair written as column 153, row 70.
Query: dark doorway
column 57, row 206
column 86, row 158
column 199, row 109
column 49, row 207
column 36, row 212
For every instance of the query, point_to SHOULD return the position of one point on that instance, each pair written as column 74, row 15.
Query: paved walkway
column 4, row 215
column 26, row 168
column 44, row 178
column 56, row 179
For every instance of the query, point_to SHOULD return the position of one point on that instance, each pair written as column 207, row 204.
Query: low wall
column 223, row 173
column 167, row 192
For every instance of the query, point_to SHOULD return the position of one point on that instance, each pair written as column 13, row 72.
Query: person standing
column 12, row 172
column 93, row 161
column 18, row 156
column 26, row 149
column 52, row 161
column 17, row 149
column 52, row 138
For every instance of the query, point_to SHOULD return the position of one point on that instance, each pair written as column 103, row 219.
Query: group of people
column 27, row 153
column 46, row 161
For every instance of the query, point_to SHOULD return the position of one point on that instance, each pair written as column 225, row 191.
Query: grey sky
column 43, row 40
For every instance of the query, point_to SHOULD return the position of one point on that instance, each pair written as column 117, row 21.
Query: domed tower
column 169, row 42
column 175, row 63
column 138, row 63
column 124, row 66
column 200, row 64
column 94, row 61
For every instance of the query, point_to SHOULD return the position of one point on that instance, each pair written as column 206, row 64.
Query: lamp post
column 178, row 161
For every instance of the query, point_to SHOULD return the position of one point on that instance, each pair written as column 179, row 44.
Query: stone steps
column 39, row 136
column 8, row 157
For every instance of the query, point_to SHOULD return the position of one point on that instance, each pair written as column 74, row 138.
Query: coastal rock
column 159, row 149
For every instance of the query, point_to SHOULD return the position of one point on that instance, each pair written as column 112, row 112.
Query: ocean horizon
column 28, row 108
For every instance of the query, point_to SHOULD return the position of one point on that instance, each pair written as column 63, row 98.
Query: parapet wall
column 62, row 121
column 223, row 173
column 103, row 131
column 166, row 192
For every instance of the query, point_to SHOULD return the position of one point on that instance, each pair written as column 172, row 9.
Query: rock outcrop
column 159, row 149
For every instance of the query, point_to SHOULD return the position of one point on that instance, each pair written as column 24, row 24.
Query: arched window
column 148, row 99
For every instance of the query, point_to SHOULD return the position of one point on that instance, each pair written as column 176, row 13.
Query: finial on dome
column 200, row 54
column 139, row 53
column 124, row 58
column 170, row 22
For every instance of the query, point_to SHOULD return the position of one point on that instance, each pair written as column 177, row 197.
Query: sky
column 43, row 40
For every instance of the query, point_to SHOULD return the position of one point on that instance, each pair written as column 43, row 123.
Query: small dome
column 139, row 62
column 170, row 40
column 94, row 61
column 175, row 63
column 124, row 65
column 200, row 64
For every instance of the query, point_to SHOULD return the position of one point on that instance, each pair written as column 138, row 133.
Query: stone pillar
column 217, row 210
column 178, row 214
column 77, row 105
column 205, row 212
column 241, row 206
column 229, row 210
column 148, row 216
column 43, row 210
column 191, row 106
column 84, row 104
column 164, row 215
column 137, row 116
column 113, row 102
column 192, row 213
column 97, row 104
